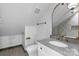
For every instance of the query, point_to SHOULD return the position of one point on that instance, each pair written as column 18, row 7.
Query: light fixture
column 72, row 6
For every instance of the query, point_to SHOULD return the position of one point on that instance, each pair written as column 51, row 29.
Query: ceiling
column 14, row 16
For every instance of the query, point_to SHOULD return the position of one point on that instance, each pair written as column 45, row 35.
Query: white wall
column 45, row 30
column 11, row 40
column 14, row 16
column 73, row 22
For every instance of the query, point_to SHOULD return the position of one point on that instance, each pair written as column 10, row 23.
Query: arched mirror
column 65, row 20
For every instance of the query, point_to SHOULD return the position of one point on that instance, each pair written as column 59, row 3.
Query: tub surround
column 71, row 50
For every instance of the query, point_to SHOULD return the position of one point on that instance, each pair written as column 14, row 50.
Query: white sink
column 58, row 43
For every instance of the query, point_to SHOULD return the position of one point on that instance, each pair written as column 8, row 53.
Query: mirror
column 64, row 20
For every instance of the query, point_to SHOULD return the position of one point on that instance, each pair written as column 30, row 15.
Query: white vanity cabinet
column 46, row 51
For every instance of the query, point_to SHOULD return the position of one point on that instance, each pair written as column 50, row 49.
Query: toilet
column 32, row 50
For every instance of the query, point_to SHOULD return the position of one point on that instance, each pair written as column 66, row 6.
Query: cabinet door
column 46, row 51
column 40, row 53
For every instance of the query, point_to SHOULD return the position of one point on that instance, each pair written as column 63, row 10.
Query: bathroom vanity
column 46, row 51
column 61, row 48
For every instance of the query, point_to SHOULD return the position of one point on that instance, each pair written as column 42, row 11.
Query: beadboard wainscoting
column 11, row 40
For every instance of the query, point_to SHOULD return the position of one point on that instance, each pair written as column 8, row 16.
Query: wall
column 45, row 30
column 11, row 40
column 14, row 16
column 73, row 22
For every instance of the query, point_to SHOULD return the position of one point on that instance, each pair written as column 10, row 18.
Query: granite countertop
column 71, row 37
column 71, row 50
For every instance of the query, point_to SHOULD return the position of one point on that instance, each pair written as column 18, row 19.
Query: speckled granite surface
column 71, row 50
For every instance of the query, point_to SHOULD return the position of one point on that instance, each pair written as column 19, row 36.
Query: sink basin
column 58, row 43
